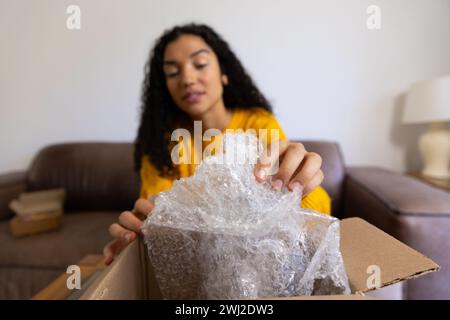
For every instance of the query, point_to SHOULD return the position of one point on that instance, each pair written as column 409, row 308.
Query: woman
column 193, row 75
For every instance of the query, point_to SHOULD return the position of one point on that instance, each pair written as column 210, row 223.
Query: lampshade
column 428, row 101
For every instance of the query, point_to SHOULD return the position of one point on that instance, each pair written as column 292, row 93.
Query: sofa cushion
column 81, row 234
column 24, row 283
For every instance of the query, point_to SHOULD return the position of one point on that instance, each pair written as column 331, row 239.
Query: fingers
column 143, row 207
column 268, row 160
column 309, row 169
column 112, row 249
column 108, row 252
column 122, row 237
column 129, row 221
column 128, row 228
column 292, row 159
column 298, row 168
column 313, row 183
column 119, row 232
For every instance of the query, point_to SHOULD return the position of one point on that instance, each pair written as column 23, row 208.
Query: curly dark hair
column 159, row 113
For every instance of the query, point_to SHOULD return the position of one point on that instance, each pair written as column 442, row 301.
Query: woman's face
column 193, row 75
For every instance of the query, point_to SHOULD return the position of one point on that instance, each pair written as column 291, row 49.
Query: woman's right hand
column 127, row 229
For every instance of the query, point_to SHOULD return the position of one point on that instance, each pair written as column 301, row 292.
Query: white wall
column 328, row 76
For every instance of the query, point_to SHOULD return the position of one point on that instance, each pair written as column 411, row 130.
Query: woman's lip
column 193, row 97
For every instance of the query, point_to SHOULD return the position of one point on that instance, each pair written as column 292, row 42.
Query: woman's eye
column 171, row 75
column 201, row 66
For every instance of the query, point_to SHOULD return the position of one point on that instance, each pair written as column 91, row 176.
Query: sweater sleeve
column 318, row 200
column 152, row 182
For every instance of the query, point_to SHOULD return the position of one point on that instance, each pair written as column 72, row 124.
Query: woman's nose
column 188, row 82
column 188, row 77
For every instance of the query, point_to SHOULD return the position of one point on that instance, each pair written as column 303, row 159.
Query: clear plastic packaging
column 220, row 234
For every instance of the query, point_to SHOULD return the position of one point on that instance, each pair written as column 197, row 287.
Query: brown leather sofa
column 100, row 182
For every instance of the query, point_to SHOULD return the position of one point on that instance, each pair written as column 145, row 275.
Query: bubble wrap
column 220, row 234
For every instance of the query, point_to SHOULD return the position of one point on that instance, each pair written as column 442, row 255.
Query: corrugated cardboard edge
column 416, row 275
column 127, row 278
column 353, row 296
column 122, row 280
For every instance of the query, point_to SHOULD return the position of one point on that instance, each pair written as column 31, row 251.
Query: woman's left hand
column 297, row 168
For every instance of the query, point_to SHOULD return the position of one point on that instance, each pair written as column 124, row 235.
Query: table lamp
column 429, row 102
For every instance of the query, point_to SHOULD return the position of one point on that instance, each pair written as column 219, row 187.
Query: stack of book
column 37, row 212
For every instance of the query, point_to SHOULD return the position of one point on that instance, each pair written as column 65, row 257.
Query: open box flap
column 130, row 276
column 124, row 279
column 363, row 246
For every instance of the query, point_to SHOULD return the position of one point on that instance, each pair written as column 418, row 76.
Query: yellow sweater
column 256, row 118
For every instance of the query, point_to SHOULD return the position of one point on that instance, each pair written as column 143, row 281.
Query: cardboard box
column 20, row 227
column 37, row 212
column 31, row 203
column 130, row 276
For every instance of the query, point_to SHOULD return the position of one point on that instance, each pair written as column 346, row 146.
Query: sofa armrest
column 412, row 211
column 11, row 185
column 396, row 193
